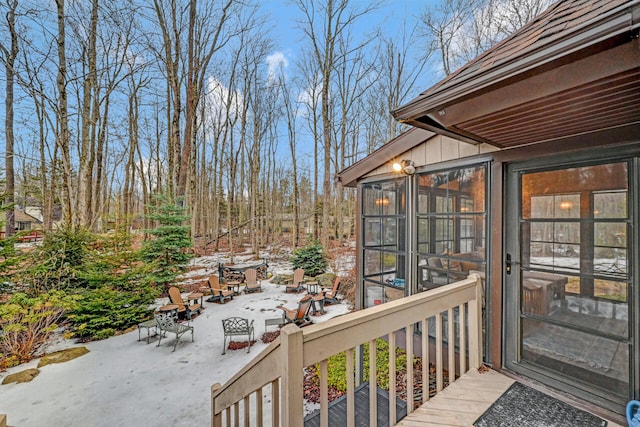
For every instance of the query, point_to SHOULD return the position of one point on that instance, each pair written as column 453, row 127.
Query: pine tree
column 166, row 249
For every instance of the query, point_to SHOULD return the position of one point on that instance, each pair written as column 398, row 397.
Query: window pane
column 566, row 232
column 372, row 262
column 371, row 199
column 444, row 204
column 611, row 234
column 389, row 261
column 612, row 204
column 390, row 231
column 423, row 235
column 374, row 294
column 372, row 231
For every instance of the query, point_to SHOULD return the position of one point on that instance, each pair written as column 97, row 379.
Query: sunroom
column 523, row 166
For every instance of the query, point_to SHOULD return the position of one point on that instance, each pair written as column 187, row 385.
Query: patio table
column 312, row 287
column 235, row 285
column 171, row 309
column 193, row 296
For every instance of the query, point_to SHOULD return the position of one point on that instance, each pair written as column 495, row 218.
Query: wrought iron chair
column 167, row 323
column 234, row 326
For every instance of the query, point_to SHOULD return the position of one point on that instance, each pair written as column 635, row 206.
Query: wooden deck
column 462, row 402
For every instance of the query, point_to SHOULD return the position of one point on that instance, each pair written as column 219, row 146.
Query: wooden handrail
column 281, row 364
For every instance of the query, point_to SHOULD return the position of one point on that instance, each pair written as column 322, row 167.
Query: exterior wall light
column 404, row 166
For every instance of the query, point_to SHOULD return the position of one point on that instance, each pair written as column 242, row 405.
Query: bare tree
column 9, row 55
column 62, row 131
column 323, row 24
column 291, row 109
column 462, row 29
column 87, row 118
column 206, row 35
column 442, row 24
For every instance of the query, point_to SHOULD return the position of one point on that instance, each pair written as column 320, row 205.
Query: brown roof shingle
column 549, row 29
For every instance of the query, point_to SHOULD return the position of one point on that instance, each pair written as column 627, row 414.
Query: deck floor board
column 462, row 402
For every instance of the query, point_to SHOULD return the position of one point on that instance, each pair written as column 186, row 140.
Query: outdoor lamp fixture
column 404, row 166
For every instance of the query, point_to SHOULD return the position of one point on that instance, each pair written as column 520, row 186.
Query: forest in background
column 108, row 104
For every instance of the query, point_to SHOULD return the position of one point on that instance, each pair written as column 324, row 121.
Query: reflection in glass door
column 574, row 230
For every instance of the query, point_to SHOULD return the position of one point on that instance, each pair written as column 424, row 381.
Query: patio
column 125, row 381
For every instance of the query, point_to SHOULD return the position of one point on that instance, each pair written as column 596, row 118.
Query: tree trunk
column 62, row 136
column 9, row 60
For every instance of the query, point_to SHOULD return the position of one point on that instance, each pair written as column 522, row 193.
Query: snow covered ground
column 125, row 381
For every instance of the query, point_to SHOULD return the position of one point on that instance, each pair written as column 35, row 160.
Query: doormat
column 523, row 406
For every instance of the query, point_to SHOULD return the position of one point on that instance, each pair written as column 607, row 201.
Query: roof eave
column 404, row 142
column 619, row 21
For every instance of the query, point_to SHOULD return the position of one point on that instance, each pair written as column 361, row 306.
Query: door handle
column 507, row 265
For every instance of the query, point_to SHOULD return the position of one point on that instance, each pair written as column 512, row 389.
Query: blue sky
column 391, row 15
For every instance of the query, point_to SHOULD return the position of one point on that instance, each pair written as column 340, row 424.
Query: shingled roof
column 573, row 49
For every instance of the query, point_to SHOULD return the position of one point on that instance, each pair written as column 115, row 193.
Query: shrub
column 337, row 366
column 27, row 322
column 58, row 264
column 311, row 258
column 103, row 311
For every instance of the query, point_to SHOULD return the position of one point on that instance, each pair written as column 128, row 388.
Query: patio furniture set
column 166, row 318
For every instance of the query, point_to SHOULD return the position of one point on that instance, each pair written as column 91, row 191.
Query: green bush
column 103, row 311
column 337, row 366
column 58, row 264
column 27, row 322
column 104, row 272
column 311, row 258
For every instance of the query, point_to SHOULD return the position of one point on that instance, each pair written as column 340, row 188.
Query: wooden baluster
column 236, row 414
column 247, row 410
column 216, row 419
column 410, row 368
column 462, row 323
column 425, row 360
column 293, row 377
column 392, row 378
column 439, row 373
column 373, row 389
column 275, row 403
column 324, row 393
column 259, row 409
column 451, row 345
column 351, row 395
column 475, row 326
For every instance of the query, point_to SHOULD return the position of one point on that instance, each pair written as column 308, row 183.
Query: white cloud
column 277, row 63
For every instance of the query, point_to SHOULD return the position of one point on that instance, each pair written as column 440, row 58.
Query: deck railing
column 276, row 376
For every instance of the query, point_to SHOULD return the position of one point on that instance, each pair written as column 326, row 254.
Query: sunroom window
column 384, row 241
column 451, row 225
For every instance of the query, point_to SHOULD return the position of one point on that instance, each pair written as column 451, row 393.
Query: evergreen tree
column 166, row 249
column 311, row 258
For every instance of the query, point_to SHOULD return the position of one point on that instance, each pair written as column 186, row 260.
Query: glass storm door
column 568, row 265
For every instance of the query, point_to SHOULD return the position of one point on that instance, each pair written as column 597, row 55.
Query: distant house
column 24, row 221
column 524, row 166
